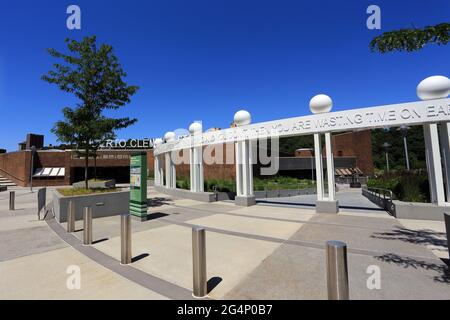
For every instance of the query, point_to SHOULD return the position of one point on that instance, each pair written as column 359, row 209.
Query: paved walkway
column 350, row 199
column 259, row 252
column 34, row 261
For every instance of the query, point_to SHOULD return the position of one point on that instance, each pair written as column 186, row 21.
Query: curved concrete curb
column 146, row 280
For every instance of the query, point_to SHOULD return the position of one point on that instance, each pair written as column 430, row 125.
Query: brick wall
column 357, row 144
column 16, row 166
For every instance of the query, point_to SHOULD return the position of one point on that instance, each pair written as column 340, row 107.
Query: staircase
column 4, row 182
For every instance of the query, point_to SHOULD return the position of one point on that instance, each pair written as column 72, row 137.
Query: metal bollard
column 87, row 226
column 12, row 200
column 125, row 238
column 199, row 262
column 71, row 216
column 447, row 229
column 42, row 199
column 337, row 272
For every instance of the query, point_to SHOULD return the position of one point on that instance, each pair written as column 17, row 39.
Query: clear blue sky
column 206, row 59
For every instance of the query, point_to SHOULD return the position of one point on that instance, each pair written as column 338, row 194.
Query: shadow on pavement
column 100, row 240
column 155, row 215
column 423, row 236
column 212, row 283
column 139, row 257
column 406, row 262
column 157, row 202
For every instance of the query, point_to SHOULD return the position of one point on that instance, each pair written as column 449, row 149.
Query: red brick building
column 64, row 167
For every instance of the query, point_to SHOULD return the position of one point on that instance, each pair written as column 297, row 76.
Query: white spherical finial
column 242, row 118
column 195, row 128
column 169, row 136
column 158, row 141
column 434, row 87
column 320, row 103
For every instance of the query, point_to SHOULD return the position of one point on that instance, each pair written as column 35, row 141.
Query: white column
column 433, row 157
column 250, row 168
column 319, row 166
column 173, row 174
column 444, row 132
column 168, row 170
column 247, row 169
column 192, row 172
column 156, row 170
column 238, row 152
column 161, row 171
column 199, row 168
column 245, row 173
column 171, row 177
column 330, row 167
column 196, row 167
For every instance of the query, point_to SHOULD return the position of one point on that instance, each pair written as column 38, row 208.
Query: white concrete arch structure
column 433, row 114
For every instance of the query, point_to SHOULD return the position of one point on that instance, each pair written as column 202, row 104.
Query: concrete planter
column 106, row 184
column 186, row 194
column 103, row 204
column 418, row 210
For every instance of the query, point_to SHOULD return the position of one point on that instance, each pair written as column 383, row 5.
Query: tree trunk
column 95, row 164
column 86, row 168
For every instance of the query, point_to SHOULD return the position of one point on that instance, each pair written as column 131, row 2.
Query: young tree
column 411, row 39
column 94, row 76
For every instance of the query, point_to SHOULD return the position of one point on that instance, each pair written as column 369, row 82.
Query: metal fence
column 381, row 197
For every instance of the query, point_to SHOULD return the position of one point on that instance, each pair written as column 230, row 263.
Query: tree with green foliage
column 397, row 158
column 288, row 145
column 93, row 74
column 411, row 39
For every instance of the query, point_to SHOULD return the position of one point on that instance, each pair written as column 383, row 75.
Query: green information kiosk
column 138, row 184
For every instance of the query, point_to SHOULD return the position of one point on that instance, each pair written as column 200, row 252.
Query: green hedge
column 259, row 184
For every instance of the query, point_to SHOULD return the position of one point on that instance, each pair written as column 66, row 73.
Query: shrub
column 407, row 186
column 184, row 183
column 259, row 184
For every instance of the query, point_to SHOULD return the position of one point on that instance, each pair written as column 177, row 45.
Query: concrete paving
column 350, row 199
column 45, row 276
column 408, row 269
column 34, row 260
column 260, row 252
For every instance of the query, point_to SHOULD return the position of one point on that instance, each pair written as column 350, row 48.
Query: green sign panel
column 138, row 184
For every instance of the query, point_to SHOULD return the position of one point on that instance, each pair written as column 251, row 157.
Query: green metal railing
column 381, row 197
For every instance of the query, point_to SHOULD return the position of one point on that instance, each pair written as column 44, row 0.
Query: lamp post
column 33, row 150
column 403, row 129
column 386, row 147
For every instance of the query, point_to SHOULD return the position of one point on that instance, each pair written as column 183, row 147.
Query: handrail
column 372, row 189
column 387, row 202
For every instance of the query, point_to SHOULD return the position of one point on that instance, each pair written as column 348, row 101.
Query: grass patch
column 83, row 191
